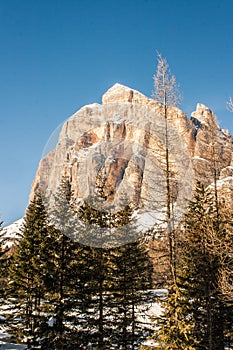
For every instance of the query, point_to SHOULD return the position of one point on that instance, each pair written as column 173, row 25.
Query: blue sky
column 58, row 55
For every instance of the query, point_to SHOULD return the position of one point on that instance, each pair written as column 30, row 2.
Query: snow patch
column 12, row 231
column 223, row 182
column 199, row 158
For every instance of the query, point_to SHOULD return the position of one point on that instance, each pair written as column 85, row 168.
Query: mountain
column 118, row 147
column 11, row 233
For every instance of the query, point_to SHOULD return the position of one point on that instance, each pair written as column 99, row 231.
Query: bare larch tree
column 166, row 92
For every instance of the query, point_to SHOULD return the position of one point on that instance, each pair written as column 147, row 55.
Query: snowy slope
column 11, row 233
column 13, row 230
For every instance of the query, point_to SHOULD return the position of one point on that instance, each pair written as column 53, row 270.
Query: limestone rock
column 121, row 93
column 120, row 145
column 213, row 146
column 226, row 172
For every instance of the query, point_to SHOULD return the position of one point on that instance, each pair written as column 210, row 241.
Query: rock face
column 119, row 146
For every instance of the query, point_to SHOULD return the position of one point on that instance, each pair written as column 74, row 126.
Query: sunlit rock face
column 119, row 146
column 213, row 146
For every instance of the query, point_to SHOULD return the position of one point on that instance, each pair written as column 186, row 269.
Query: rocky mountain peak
column 120, row 144
column 205, row 116
column 121, row 93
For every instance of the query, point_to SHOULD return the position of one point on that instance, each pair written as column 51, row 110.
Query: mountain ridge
column 122, row 140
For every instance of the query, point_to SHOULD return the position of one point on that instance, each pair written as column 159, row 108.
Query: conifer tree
column 223, row 246
column 132, row 278
column 175, row 328
column 119, row 280
column 195, row 313
column 27, row 270
column 2, row 262
column 200, row 277
column 5, row 258
column 62, row 283
column 97, row 259
column 166, row 92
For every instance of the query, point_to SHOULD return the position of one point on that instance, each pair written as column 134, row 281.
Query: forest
column 57, row 293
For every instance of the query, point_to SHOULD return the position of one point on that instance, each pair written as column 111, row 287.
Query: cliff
column 120, row 146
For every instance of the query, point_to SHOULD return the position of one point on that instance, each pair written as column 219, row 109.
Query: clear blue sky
column 58, row 55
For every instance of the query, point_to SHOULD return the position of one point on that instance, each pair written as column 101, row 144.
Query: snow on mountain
column 12, row 232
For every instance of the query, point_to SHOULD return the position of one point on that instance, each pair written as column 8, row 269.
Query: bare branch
column 166, row 89
column 230, row 105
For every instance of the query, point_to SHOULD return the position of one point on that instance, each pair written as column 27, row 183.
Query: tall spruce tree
column 62, row 282
column 27, row 270
column 220, row 245
column 200, row 278
column 174, row 327
column 194, row 312
column 96, row 289
column 200, row 272
column 223, row 247
column 2, row 262
column 5, row 258
column 120, row 278
column 132, row 280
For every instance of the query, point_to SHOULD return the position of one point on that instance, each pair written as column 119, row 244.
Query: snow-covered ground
column 151, row 308
column 11, row 233
column 5, row 343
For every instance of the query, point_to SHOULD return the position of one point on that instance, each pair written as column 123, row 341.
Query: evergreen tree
column 201, row 277
column 27, row 270
column 120, row 278
column 62, row 290
column 221, row 245
column 175, row 328
column 96, row 290
column 199, row 272
column 194, row 312
column 62, row 282
column 2, row 262
column 4, row 270
column 132, row 278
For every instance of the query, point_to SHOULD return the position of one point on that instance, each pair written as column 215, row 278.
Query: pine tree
column 199, row 275
column 194, row 312
column 220, row 245
column 97, row 260
column 2, row 262
column 118, row 281
column 62, row 281
column 175, row 327
column 202, row 275
column 223, row 247
column 132, row 279
column 27, row 271
column 5, row 258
